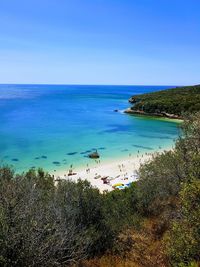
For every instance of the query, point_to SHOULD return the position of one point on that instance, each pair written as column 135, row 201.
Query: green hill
column 170, row 103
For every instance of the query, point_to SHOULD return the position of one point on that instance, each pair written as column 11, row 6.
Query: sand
column 119, row 171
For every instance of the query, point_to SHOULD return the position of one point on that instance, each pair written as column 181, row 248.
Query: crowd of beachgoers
column 118, row 174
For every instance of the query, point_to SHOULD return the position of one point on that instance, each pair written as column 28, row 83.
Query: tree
column 182, row 241
column 35, row 229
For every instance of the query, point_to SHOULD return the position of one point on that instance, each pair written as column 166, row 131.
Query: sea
column 56, row 126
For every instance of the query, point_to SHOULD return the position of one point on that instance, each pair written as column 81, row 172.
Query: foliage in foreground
column 184, row 238
column 43, row 224
column 153, row 223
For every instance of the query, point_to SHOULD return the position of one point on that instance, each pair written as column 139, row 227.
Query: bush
column 46, row 225
column 182, row 240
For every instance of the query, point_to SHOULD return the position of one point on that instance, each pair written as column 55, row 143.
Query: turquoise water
column 54, row 126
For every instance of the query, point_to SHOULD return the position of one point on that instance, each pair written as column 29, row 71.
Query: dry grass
column 144, row 250
column 108, row 261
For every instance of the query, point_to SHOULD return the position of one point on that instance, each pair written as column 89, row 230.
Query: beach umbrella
column 118, row 184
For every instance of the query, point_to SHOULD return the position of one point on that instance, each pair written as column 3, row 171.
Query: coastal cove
column 56, row 126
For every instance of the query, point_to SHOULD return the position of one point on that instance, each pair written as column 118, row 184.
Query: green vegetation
column 155, row 222
column 175, row 101
column 183, row 239
column 43, row 224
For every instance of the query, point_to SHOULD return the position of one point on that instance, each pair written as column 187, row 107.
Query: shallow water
column 54, row 126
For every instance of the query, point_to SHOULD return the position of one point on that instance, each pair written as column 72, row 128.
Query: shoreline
column 171, row 117
column 105, row 175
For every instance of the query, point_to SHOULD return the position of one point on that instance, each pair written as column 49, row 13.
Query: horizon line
column 79, row 84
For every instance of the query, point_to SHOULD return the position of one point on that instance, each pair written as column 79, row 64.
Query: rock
column 15, row 159
column 56, row 162
column 94, row 155
column 71, row 153
column 134, row 99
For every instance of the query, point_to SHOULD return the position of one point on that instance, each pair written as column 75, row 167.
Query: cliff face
column 134, row 99
column 171, row 103
column 162, row 114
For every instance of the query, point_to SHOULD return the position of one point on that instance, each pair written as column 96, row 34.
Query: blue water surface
column 54, row 126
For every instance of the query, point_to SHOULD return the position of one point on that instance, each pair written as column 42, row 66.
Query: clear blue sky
column 100, row 41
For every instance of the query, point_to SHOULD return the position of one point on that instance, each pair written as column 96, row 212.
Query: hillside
column 169, row 103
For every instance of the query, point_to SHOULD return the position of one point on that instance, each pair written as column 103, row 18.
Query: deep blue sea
column 54, row 126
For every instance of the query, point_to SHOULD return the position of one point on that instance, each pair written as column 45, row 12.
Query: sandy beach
column 116, row 172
